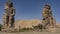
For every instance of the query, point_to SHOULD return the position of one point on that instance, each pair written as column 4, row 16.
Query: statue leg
column 54, row 22
column 10, row 21
column 5, row 25
column 6, row 21
column 11, row 24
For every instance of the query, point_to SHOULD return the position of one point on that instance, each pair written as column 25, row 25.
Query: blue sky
column 31, row 9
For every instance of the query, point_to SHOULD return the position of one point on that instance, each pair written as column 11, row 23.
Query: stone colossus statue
column 8, row 17
column 48, row 18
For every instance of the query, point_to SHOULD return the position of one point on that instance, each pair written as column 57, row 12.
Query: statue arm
column 43, row 14
column 5, row 11
column 13, row 14
column 50, row 12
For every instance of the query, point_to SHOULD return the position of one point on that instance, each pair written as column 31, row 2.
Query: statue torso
column 9, row 11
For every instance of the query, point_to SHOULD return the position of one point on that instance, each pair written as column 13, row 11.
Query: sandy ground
column 32, row 33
